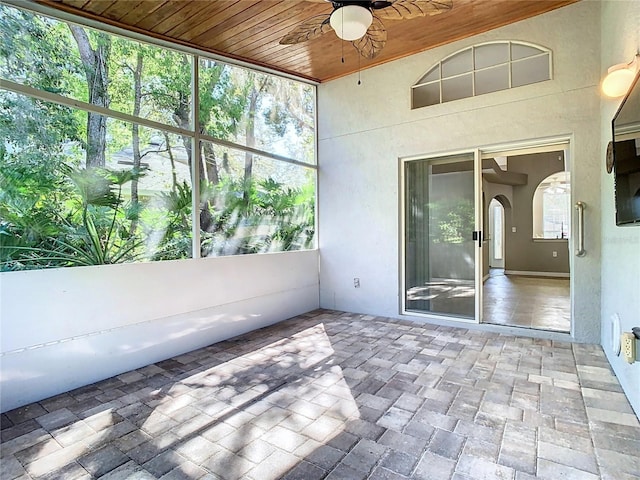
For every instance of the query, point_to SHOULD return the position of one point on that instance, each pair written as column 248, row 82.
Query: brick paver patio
column 340, row 396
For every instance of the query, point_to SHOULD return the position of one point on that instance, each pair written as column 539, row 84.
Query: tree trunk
column 174, row 186
column 210, row 163
column 135, row 134
column 256, row 90
column 174, row 175
column 181, row 117
column 225, row 163
column 96, row 67
column 251, row 141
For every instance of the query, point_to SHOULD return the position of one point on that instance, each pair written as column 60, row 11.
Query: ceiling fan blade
column 373, row 41
column 406, row 9
column 307, row 30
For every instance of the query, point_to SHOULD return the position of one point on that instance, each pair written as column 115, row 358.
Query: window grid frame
column 193, row 131
column 543, row 51
column 196, row 56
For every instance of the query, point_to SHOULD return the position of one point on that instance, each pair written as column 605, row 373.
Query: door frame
column 486, row 151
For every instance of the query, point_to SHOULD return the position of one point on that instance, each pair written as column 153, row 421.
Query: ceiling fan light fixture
column 351, row 22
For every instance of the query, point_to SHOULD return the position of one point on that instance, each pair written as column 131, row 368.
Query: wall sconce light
column 619, row 78
column 351, row 22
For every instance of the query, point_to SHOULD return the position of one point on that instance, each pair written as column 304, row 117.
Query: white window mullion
column 473, row 71
column 89, row 107
column 510, row 63
column 195, row 156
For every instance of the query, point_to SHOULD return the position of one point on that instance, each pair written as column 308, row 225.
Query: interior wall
column 523, row 254
column 620, row 245
column 365, row 129
column 67, row 327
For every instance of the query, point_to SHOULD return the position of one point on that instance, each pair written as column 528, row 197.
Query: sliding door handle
column 477, row 236
column 580, row 252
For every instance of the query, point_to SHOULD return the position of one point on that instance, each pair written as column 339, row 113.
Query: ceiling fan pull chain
column 341, row 38
column 359, row 82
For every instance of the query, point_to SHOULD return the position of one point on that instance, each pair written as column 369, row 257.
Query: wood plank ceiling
column 249, row 30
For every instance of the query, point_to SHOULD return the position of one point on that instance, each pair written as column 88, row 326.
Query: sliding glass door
column 441, row 236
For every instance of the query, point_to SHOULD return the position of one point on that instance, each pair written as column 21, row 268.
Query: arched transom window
column 484, row 68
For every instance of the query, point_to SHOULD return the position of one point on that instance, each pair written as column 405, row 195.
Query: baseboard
column 537, row 274
column 484, row 279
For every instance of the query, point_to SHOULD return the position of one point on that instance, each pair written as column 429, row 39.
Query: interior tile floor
column 340, row 396
column 532, row 302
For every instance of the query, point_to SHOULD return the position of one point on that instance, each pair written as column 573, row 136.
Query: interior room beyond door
column 527, row 275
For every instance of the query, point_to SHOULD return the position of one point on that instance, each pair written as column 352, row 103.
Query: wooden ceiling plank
column 199, row 18
column 258, row 22
column 328, row 43
column 328, row 58
column 98, row 7
column 77, row 3
column 231, row 9
column 270, row 41
column 166, row 10
column 134, row 13
column 263, row 42
column 276, row 53
column 269, row 31
column 235, row 21
column 189, row 10
column 115, row 10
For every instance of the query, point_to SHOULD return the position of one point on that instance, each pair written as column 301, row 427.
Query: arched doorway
column 496, row 229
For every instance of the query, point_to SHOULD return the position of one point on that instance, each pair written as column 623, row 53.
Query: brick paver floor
column 340, row 396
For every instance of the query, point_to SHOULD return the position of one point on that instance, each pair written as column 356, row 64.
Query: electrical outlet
column 628, row 346
column 554, row 254
column 514, row 229
column 356, row 282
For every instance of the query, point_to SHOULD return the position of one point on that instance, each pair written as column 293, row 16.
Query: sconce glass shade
column 351, row 22
column 619, row 78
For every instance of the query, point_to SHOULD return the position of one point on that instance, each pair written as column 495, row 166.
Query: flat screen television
column 626, row 157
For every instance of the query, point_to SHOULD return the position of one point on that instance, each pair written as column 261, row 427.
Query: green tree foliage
column 78, row 188
column 267, row 216
column 37, row 51
column 451, row 220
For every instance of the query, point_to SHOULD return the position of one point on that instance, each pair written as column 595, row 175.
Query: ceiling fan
column 355, row 21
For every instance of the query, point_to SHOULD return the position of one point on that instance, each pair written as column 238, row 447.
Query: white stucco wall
column 64, row 328
column 364, row 130
column 620, row 245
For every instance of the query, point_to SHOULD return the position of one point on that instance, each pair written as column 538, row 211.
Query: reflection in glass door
column 439, row 223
